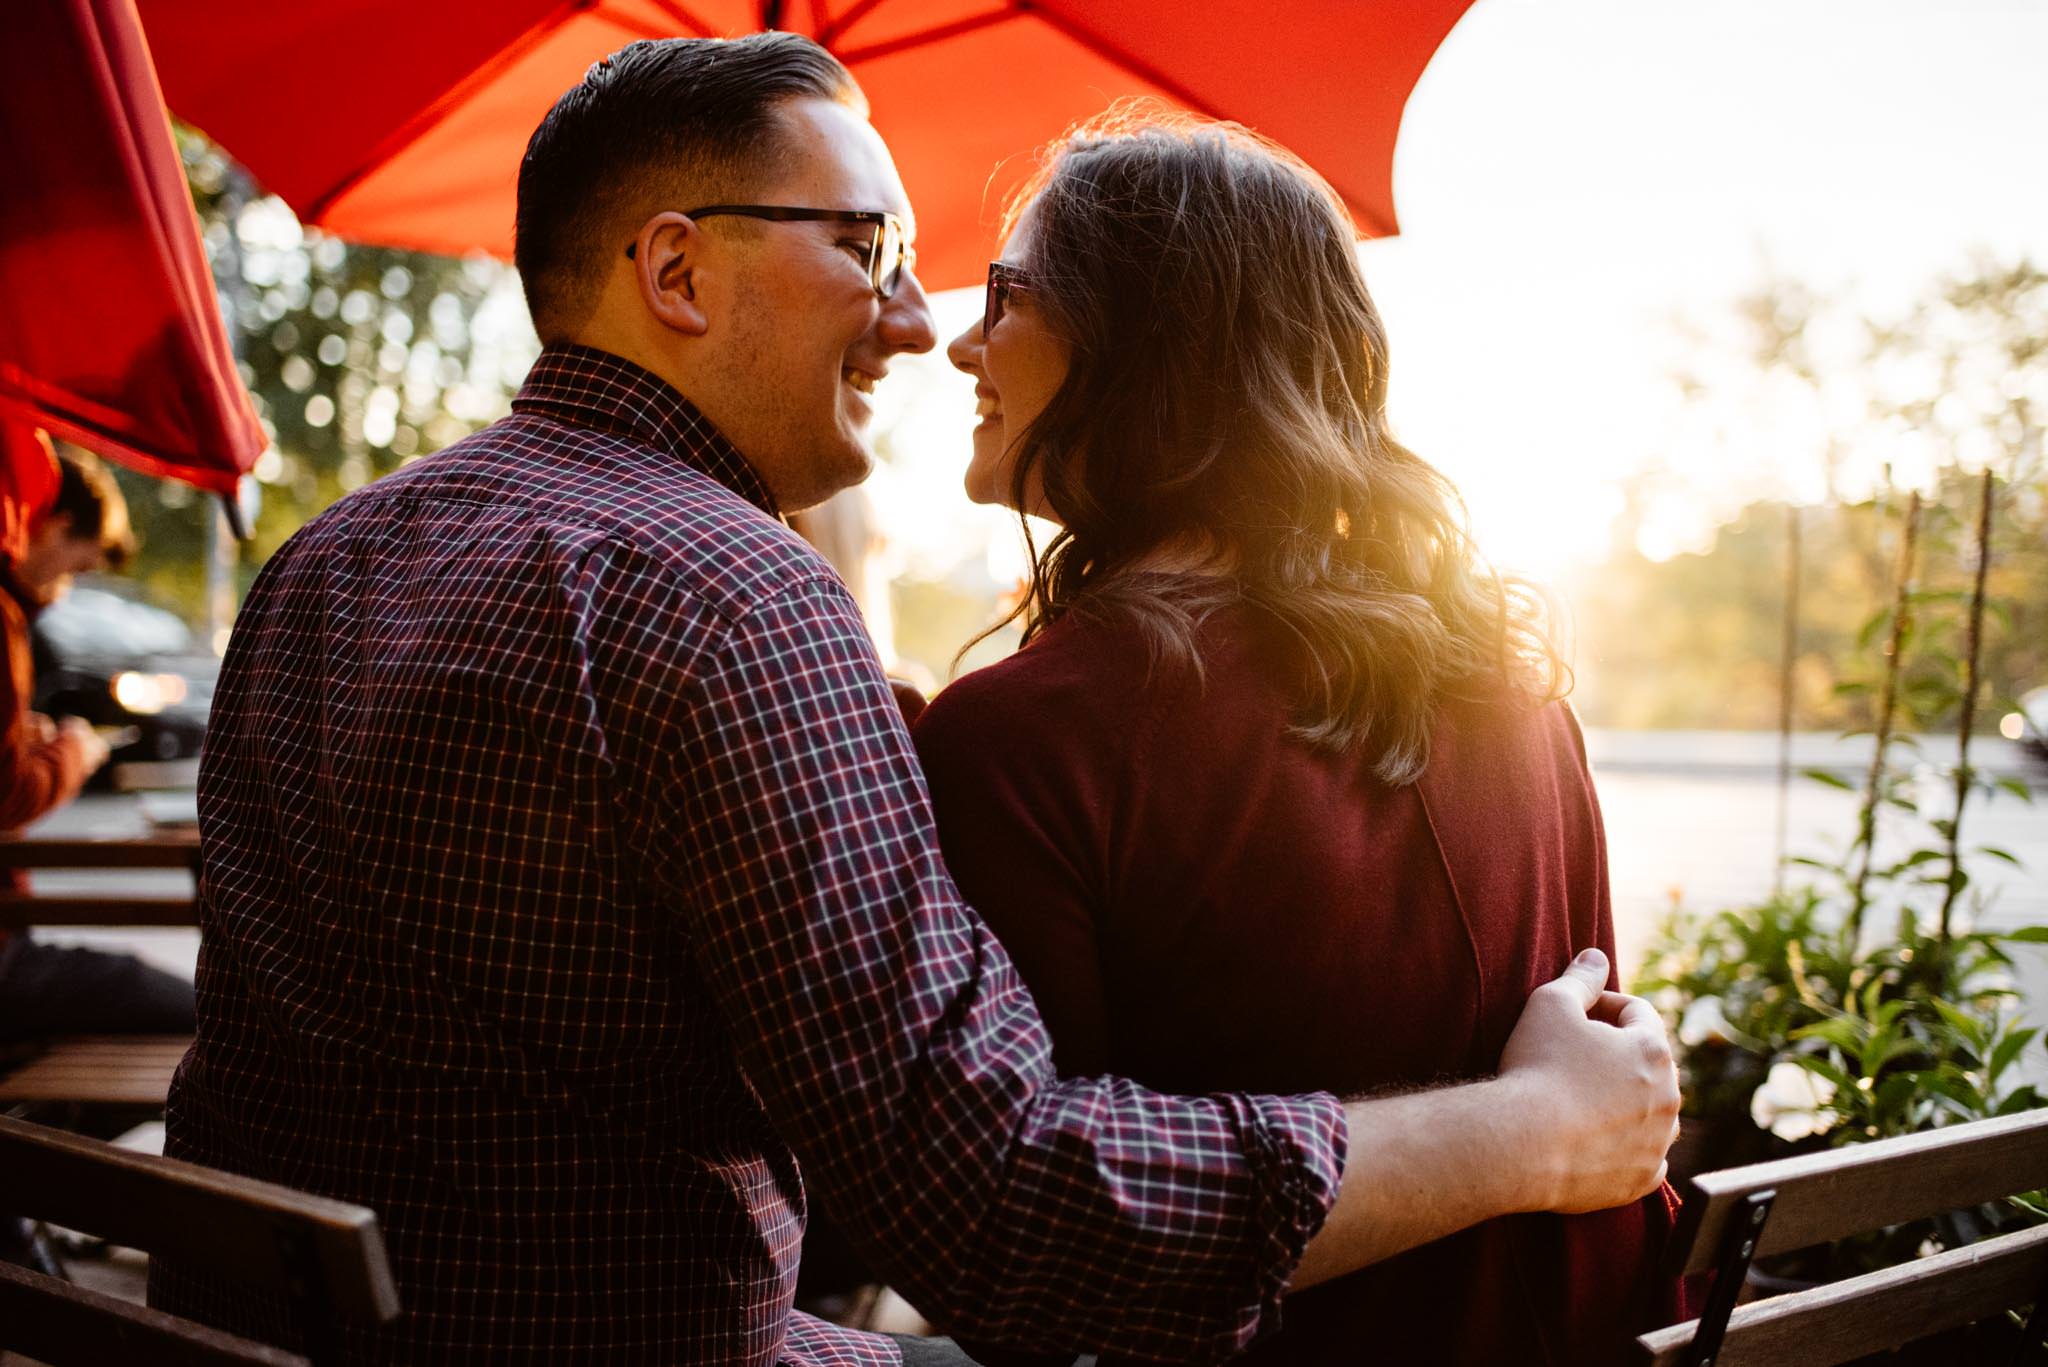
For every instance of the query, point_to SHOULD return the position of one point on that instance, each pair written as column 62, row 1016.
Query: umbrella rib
column 431, row 117
column 832, row 30
column 1137, row 66
column 931, row 35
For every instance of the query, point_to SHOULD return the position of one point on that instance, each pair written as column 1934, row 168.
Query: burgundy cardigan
column 1203, row 904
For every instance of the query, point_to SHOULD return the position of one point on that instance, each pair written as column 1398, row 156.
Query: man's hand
column 1591, row 1071
column 1579, row 1118
column 78, row 732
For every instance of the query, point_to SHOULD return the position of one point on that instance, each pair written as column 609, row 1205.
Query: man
column 44, row 989
column 568, row 873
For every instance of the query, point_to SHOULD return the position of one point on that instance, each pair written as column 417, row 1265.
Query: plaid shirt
column 569, row 875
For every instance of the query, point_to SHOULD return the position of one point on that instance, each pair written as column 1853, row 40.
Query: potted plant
column 1863, row 1002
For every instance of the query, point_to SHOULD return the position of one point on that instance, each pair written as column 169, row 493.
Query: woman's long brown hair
column 1227, row 401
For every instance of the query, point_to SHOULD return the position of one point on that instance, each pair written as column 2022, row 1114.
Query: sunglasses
column 1002, row 281
column 888, row 249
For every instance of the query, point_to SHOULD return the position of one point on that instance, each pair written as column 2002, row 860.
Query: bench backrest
column 326, row 1256
column 1743, row 1213
column 160, row 850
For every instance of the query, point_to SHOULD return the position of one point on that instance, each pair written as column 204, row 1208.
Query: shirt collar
column 593, row 388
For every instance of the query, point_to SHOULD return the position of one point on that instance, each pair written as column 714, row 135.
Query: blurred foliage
column 358, row 359
column 1863, row 1002
column 1693, row 641
column 1955, row 384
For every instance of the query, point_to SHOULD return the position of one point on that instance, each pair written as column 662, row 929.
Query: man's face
column 54, row 556
column 802, row 328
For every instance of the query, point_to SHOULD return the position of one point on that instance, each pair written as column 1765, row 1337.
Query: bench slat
column 1826, row 1196
column 197, row 1215
column 25, row 911
column 70, row 1326
column 89, row 852
column 130, row 1070
column 1869, row 1314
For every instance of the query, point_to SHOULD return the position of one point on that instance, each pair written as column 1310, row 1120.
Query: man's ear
column 667, row 257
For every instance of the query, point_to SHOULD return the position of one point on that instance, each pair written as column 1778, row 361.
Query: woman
column 1278, row 795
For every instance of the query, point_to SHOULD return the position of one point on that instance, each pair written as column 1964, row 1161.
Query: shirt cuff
column 1296, row 1148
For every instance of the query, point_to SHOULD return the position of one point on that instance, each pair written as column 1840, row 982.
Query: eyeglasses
column 1003, row 280
column 889, row 253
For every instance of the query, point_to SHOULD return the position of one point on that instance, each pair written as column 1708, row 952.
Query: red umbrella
column 109, row 331
column 403, row 121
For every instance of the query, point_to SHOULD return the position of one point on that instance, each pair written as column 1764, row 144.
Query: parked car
column 120, row 663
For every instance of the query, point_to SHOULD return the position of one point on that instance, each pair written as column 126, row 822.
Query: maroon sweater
column 1202, row 904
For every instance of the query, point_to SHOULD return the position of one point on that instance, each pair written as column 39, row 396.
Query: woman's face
column 1017, row 368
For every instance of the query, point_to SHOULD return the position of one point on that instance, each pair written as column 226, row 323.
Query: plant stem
column 1971, row 653
column 1873, row 786
column 1788, row 652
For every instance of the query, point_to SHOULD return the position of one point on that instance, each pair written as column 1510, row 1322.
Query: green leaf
column 2025, row 1099
column 2026, row 935
column 1963, row 1023
column 1995, row 852
column 1844, row 1032
column 1896, row 1091
column 2008, row 1049
column 1831, row 779
column 2018, row 788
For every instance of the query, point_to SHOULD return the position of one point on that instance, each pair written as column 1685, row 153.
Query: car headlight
column 148, row 694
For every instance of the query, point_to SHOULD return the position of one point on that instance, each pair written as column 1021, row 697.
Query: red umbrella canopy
column 403, row 121
column 109, row 331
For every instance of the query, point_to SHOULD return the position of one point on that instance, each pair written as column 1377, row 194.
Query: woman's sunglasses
column 1002, row 281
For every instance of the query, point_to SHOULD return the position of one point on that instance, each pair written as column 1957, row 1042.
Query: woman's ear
column 667, row 260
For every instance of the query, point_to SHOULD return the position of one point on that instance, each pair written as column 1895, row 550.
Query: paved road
column 1693, row 817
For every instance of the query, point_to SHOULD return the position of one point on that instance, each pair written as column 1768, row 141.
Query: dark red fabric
column 110, row 335
column 1202, row 904
column 426, row 155
column 28, row 482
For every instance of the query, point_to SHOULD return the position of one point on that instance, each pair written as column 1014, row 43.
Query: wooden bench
column 325, row 1257
column 168, row 849
column 114, row 1070
column 97, row 1069
column 1739, row 1214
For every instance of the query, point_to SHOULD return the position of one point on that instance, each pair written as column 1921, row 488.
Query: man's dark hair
column 650, row 122
column 88, row 496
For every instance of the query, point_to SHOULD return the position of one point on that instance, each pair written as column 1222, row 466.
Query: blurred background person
column 77, row 526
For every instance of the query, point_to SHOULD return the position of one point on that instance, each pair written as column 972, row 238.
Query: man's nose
column 906, row 322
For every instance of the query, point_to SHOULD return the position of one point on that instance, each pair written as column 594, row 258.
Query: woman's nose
column 964, row 351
